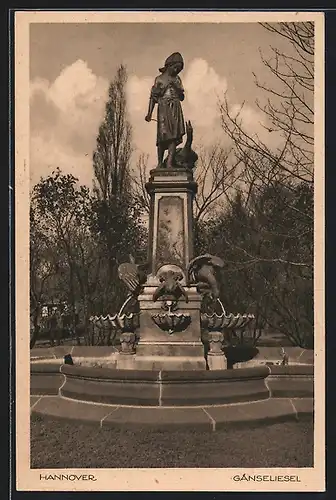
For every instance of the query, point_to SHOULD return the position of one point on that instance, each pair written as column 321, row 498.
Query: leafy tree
column 64, row 209
column 268, row 229
column 42, row 271
column 268, row 269
column 118, row 227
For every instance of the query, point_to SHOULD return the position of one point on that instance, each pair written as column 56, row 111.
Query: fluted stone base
column 217, row 362
column 216, row 357
column 125, row 361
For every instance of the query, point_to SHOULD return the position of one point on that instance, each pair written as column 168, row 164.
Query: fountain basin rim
column 52, row 361
column 155, row 375
column 169, row 388
column 228, row 316
column 114, row 316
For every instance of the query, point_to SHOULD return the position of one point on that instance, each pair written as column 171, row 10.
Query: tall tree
column 116, row 220
column 287, row 163
column 111, row 159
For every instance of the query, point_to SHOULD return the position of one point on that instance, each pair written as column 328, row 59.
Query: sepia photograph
column 169, row 194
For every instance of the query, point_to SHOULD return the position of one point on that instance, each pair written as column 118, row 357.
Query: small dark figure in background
column 55, row 327
column 68, row 359
column 285, row 357
column 167, row 92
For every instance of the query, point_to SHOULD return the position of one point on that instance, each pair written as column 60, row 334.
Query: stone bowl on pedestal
column 172, row 321
column 215, row 322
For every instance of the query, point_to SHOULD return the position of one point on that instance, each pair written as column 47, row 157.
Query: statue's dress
column 170, row 120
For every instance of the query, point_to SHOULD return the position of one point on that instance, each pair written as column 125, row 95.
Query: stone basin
column 104, row 384
column 95, row 377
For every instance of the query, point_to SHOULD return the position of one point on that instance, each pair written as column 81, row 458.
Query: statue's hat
column 172, row 59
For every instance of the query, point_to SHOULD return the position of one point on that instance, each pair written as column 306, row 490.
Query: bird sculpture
column 133, row 275
column 202, row 271
column 185, row 157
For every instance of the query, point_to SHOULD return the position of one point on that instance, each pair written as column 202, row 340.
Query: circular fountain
column 171, row 367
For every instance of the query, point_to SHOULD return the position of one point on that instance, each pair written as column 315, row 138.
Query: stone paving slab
column 291, row 386
column 46, row 384
column 210, row 418
column 307, row 356
column 75, row 351
column 61, row 408
column 92, row 351
column 33, row 400
column 62, row 350
column 267, row 411
column 159, row 417
column 303, row 406
column 275, row 353
column 292, row 370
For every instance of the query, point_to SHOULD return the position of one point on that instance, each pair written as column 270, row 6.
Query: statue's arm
column 156, row 92
column 180, row 88
column 151, row 106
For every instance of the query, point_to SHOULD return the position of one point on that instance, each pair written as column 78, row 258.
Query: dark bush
column 239, row 354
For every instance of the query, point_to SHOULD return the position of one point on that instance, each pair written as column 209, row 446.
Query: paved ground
column 211, row 418
column 62, row 444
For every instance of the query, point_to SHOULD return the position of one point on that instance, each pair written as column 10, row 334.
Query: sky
column 71, row 66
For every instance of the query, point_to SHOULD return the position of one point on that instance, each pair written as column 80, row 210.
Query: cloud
column 203, row 87
column 66, row 113
column 65, row 116
column 46, row 155
column 256, row 124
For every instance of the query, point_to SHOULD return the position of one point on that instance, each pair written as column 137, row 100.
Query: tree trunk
column 36, row 328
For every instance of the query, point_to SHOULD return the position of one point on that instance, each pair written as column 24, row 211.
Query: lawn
column 57, row 444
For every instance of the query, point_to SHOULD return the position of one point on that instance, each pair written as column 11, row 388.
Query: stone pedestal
column 170, row 246
column 160, row 350
column 125, row 361
column 216, row 357
column 171, row 220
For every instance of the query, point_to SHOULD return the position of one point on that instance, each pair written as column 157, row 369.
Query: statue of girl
column 167, row 92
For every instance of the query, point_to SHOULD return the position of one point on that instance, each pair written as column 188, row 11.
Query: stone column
column 171, row 219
